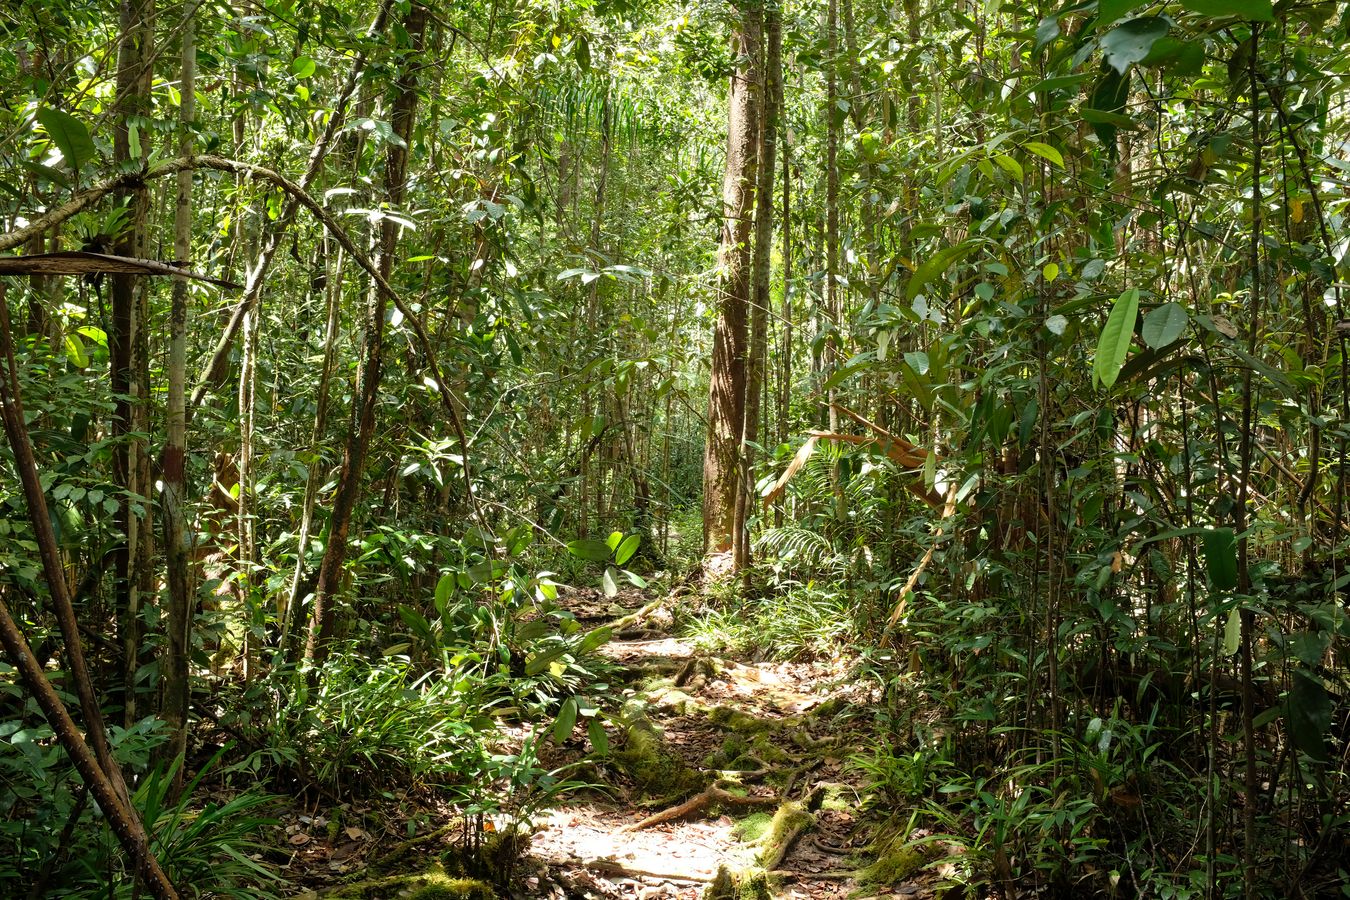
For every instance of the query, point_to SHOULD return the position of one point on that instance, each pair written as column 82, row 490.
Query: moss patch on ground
column 745, row 884
column 432, row 884
column 658, row 772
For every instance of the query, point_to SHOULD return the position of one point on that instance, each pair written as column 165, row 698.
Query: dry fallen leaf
column 301, row 839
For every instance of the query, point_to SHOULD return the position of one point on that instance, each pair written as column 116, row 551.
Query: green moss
column 789, row 821
column 747, row 884
column 657, row 772
column 393, row 887
column 455, row 889
column 838, row 798
column 894, row 866
column 752, row 828
column 733, row 719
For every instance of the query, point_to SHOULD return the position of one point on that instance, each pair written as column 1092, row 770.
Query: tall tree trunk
column 127, row 345
column 771, row 91
column 833, row 303
column 323, row 618
column 178, row 615
column 726, row 389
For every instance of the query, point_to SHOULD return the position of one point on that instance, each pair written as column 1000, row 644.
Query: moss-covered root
column 745, row 884
column 791, row 820
column 455, row 889
column 430, row 885
column 658, row 773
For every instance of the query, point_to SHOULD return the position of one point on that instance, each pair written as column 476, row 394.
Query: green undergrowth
column 790, row 621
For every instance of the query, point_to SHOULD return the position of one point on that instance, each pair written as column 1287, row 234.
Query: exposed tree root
column 716, row 793
column 790, row 822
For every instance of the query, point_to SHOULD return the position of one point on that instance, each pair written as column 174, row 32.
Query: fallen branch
column 715, row 793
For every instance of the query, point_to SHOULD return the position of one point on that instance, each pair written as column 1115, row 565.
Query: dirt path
column 716, row 765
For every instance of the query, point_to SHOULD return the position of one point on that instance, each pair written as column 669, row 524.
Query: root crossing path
column 725, row 779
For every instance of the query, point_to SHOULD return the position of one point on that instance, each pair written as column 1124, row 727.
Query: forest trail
column 717, row 764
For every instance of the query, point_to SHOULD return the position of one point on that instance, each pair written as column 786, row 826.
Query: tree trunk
column 128, row 363
column 178, row 615
column 726, row 389
column 770, row 92
column 348, row 492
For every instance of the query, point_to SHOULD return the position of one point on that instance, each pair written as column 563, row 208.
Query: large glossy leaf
column 934, row 266
column 69, row 135
column 1164, row 325
column 1114, row 344
column 589, row 549
column 1220, row 547
column 1131, row 41
column 1308, row 712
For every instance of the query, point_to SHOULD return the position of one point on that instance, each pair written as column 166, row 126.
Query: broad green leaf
column 1255, row 10
column 1131, row 41
column 635, row 579
column 934, row 266
column 1220, row 547
column 75, row 352
column 1114, row 344
column 1046, row 31
column 608, row 582
column 595, row 638
column 540, row 661
column 444, row 588
column 1056, row 324
column 1309, row 711
column 1164, row 325
column 625, row 550
column 589, row 549
column 302, row 67
column 1232, row 632
column 1045, row 151
column 581, row 51
column 599, row 739
column 69, row 135
column 567, row 720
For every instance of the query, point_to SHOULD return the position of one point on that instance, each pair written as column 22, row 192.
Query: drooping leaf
column 934, row 266
column 1220, row 548
column 1046, row 31
column 566, row 721
column 69, row 135
column 1164, row 325
column 609, row 583
column 599, row 739
column 1232, row 632
column 1129, row 42
column 1114, row 344
column 1046, row 152
column 595, row 638
column 1308, row 712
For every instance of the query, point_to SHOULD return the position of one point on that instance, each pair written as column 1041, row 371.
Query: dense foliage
column 1035, row 359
